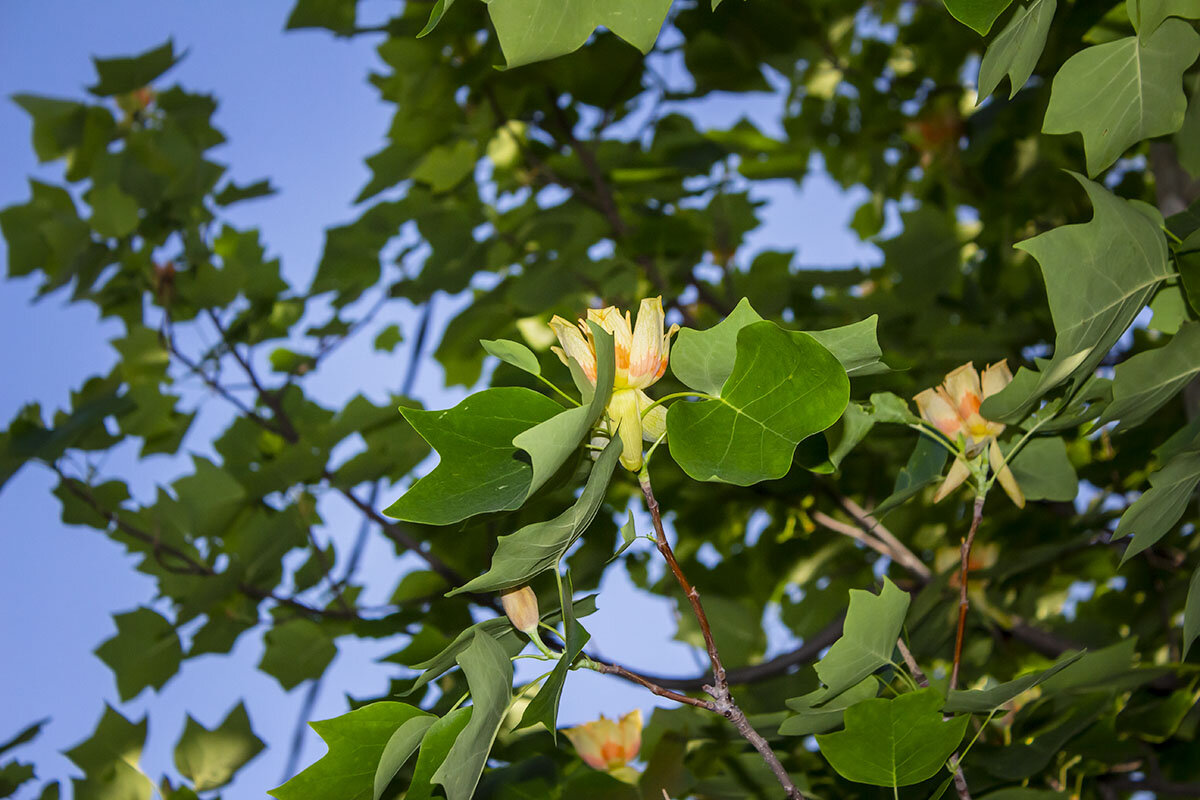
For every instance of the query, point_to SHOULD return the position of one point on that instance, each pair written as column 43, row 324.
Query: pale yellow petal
column 962, row 386
column 995, row 378
column 959, row 472
column 1003, row 474
column 646, row 353
column 574, row 346
column 631, row 733
column 936, row 409
column 626, row 416
column 654, row 421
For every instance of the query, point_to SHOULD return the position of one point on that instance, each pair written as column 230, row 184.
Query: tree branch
column 963, row 601
column 723, row 702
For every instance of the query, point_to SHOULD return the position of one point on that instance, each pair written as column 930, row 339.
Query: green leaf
column 209, row 758
column 1191, row 613
column 532, row 550
column 704, row 360
column 1144, row 383
column 1148, row 15
column 894, row 741
column 552, row 442
column 446, row 166
column 296, row 651
column 784, row 387
column 811, row 719
column 978, row 15
column 339, row 16
column 144, row 652
column 1118, row 93
column 1016, row 49
column 12, row 775
column 531, row 30
column 479, row 469
column 543, row 707
column 856, row 346
column 121, row 75
column 110, row 758
column 387, row 339
column 232, row 193
column 500, row 629
column 1043, row 470
column 436, row 745
column 1159, row 508
column 873, row 624
column 400, row 746
column 628, row 537
column 924, row 467
column 856, row 424
column 489, row 676
column 889, row 407
column 435, row 16
column 26, row 734
column 981, row 701
column 356, row 743
column 513, row 353
column 114, row 213
column 1120, row 255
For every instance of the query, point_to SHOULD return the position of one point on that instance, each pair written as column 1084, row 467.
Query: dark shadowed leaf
column 145, row 652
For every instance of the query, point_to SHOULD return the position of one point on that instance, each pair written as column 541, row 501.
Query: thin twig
column 963, row 601
column 871, row 525
column 609, row 668
column 270, row 399
column 912, row 664
column 723, row 702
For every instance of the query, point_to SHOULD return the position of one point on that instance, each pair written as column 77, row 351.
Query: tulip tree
column 816, row 444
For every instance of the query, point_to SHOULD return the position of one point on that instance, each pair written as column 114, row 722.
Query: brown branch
column 963, row 602
column 723, row 702
column 912, row 664
column 868, row 523
column 270, row 399
column 608, row 668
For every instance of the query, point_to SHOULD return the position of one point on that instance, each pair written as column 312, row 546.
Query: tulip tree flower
column 953, row 408
column 609, row 745
column 641, row 359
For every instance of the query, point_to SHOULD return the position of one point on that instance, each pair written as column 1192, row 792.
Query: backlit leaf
column 144, row 652
column 532, row 30
column 977, row 14
column 873, row 624
column 894, row 741
column 120, row 75
column 209, row 758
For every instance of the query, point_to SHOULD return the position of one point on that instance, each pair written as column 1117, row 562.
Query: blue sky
column 295, row 107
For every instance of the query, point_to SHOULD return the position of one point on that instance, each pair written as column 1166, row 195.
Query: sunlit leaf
column 531, row 30
column 209, row 758
column 784, row 387
column 479, row 469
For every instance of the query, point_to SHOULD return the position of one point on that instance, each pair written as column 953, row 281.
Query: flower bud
column 522, row 609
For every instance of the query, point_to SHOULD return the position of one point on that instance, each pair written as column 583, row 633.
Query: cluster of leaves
column 547, row 186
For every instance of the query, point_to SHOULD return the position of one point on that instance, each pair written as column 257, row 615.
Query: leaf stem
column 551, row 384
column 963, row 601
column 675, row 396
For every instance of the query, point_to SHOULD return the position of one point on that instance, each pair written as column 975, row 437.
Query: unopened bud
column 522, row 609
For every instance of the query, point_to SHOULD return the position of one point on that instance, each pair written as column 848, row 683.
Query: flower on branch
column 642, row 351
column 953, row 408
column 521, row 606
column 609, row 745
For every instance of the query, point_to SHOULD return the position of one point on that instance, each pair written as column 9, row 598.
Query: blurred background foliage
column 569, row 183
